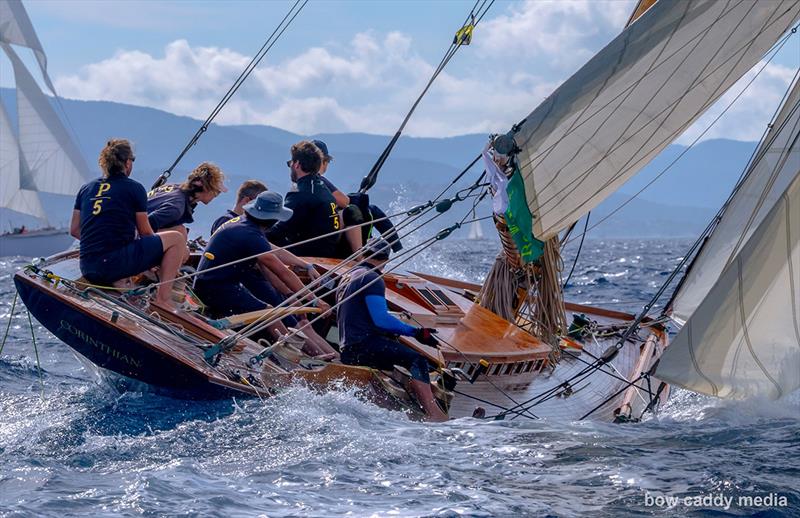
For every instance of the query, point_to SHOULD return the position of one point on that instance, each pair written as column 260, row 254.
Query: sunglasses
column 133, row 159
column 289, row 163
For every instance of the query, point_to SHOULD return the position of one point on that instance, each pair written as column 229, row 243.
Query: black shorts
column 132, row 259
column 384, row 353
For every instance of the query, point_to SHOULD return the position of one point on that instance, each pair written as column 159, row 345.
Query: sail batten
column 635, row 97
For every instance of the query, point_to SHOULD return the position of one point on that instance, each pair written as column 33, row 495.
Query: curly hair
column 114, row 157
column 205, row 177
column 309, row 156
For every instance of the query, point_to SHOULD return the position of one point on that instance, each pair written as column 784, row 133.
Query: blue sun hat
column 268, row 205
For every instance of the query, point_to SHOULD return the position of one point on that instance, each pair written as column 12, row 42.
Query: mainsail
column 40, row 156
column 774, row 166
column 637, row 95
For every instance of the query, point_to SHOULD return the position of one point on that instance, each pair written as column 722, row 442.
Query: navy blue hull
column 110, row 349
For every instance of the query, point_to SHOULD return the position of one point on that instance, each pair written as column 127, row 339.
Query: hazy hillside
column 678, row 204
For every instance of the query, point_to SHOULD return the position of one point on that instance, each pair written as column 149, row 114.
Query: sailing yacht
column 513, row 347
column 37, row 154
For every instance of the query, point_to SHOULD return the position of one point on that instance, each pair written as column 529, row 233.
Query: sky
column 352, row 66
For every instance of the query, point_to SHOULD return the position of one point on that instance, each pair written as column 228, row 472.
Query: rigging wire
column 372, row 176
column 578, row 253
column 254, row 62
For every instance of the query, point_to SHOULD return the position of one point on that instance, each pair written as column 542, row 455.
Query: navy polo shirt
column 315, row 214
column 353, row 318
column 108, row 208
column 328, row 184
column 169, row 206
column 223, row 219
column 235, row 239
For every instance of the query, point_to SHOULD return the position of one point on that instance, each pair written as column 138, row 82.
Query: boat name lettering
column 97, row 344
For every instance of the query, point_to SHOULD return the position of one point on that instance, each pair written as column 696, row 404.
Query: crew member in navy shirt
column 229, row 289
column 107, row 214
column 368, row 333
column 356, row 209
column 171, row 206
column 315, row 212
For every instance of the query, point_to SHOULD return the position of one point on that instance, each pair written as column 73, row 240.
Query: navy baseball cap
column 378, row 249
column 324, row 148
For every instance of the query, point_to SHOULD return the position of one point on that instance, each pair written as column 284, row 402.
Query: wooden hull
column 166, row 352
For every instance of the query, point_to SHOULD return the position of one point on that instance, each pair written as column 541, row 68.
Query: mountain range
column 678, row 204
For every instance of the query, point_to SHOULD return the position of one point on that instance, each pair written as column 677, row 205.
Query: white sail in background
column 776, row 163
column 54, row 162
column 743, row 340
column 12, row 194
column 475, row 230
column 16, row 29
column 636, row 96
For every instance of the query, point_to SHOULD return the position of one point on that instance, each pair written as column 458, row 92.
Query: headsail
column 775, row 164
column 55, row 163
column 743, row 340
column 635, row 97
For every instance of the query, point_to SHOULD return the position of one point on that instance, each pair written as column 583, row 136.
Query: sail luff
column 55, row 164
column 743, row 340
column 606, row 122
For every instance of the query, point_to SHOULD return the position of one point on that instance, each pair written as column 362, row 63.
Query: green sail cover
column 520, row 220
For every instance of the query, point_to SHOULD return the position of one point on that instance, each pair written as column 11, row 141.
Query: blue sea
column 75, row 447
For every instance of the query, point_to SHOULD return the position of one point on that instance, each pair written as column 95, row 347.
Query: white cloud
column 517, row 59
column 748, row 116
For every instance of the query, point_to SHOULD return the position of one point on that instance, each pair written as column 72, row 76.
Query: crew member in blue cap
column 368, row 333
column 228, row 289
column 357, row 210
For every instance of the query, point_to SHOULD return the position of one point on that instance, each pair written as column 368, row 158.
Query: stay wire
column 369, row 180
column 578, row 253
column 257, row 58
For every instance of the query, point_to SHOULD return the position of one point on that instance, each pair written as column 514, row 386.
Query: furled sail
column 775, row 164
column 16, row 29
column 12, row 179
column 54, row 163
column 637, row 95
column 743, row 340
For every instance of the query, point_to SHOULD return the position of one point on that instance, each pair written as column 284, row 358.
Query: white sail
column 637, row 95
column 12, row 194
column 54, row 163
column 776, row 163
column 743, row 340
column 16, row 29
column 475, row 230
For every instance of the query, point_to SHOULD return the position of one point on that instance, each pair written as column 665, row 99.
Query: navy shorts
column 132, row 259
column 384, row 353
column 251, row 293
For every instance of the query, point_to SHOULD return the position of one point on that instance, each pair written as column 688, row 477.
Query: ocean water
column 84, row 449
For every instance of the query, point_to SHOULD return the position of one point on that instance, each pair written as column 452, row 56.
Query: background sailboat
column 37, row 154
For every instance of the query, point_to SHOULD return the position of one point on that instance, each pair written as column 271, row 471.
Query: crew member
column 315, row 212
column 356, row 209
column 368, row 333
column 229, row 289
column 107, row 214
column 171, row 206
column 246, row 193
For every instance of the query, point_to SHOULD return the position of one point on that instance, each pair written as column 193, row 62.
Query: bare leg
column 422, row 391
column 174, row 246
column 185, row 233
column 318, row 343
column 353, row 235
